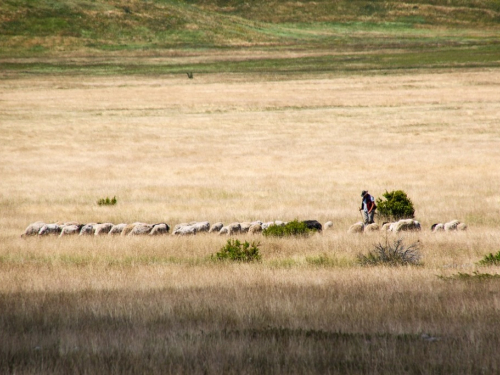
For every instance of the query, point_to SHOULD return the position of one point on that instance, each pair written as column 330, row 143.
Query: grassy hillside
column 46, row 26
column 236, row 36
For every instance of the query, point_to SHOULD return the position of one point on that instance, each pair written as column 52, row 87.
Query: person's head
column 364, row 192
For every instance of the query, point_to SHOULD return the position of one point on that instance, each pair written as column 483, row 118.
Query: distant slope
column 49, row 26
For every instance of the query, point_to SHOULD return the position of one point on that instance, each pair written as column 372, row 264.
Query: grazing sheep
column 328, row 225
column 245, row 227
column 177, row 226
column 102, row 229
column 33, row 229
column 71, row 230
column 129, row 227
column 438, row 227
column 255, row 228
column 50, row 229
column 373, row 227
column 405, row 225
column 117, row 229
column 356, row 228
column 452, row 225
column 201, row 226
column 386, row 226
column 233, row 228
column 313, row 224
column 141, row 229
column 188, row 230
column 160, row 228
column 88, row 229
column 216, row 227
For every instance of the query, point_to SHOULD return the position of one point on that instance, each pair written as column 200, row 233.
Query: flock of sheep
column 40, row 228
column 406, row 225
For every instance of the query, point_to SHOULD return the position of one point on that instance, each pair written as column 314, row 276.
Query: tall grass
column 241, row 148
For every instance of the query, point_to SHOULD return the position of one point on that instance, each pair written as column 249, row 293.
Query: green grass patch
column 490, row 260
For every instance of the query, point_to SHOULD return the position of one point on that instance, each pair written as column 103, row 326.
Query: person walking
column 367, row 207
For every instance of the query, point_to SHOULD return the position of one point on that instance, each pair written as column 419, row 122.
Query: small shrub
column 395, row 254
column 293, row 228
column 396, row 206
column 107, row 202
column 491, row 260
column 240, row 252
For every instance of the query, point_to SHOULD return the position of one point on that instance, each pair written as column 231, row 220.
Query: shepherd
column 367, row 207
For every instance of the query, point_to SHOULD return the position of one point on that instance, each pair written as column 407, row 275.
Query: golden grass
column 236, row 148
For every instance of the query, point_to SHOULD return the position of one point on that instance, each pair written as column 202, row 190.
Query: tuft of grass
column 234, row 250
column 107, row 202
column 491, row 259
column 392, row 254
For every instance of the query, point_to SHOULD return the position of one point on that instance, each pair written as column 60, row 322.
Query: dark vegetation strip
column 438, row 58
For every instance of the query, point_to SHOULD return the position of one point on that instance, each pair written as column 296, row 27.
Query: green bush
column 240, row 252
column 395, row 254
column 491, row 260
column 396, row 206
column 107, row 202
column 293, row 228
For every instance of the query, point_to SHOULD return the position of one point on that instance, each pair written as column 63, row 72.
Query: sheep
column 313, row 224
column 216, row 227
column 129, row 227
column 373, row 227
column 102, row 229
column 50, row 229
column 452, row 225
column 117, row 229
column 88, row 229
column 187, row 230
column 70, row 230
column 160, row 228
column 386, row 227
column 141, row 229
column 356, row 228
column 328, row 225
column 405, row 225
column 201, row 226
column 438, row 227
column 255, row 228
column 245, row 226
column 33, row 229
column 233, row 228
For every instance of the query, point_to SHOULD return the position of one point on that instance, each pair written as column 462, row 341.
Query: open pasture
column 243, row 147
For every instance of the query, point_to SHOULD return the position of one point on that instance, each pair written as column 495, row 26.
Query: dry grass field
column 241, row 147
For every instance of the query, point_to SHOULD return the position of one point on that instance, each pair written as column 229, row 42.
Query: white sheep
column 255, row 228
column 405, row 225
column 33, row 229
column 187, row 230
column 328, row 225
column 88, row 229
column 71, row 230
column 373, row 227
column 50, row 229
column 216, row 227
column 159, row 229
column 102, row 229
column 117, row 229
column 356, row 228
column 141, row 229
